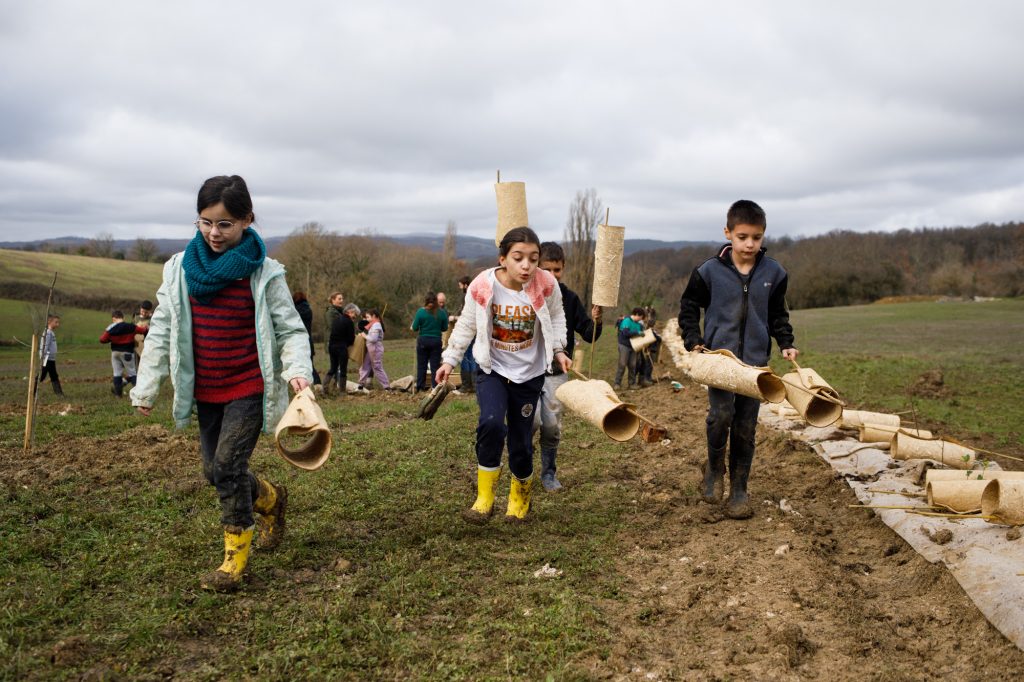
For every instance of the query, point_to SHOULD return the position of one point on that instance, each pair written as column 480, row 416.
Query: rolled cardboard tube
column 933, row 475
column 511, row 197
column 722, row 369
column 906, row 446
column 595, row 401
column 611, row 241
column 870, row 433
column 812, row 397
column 1004, row 500
column 962, row 496
column 638, row 343
column 305, row 420
column 853, row 419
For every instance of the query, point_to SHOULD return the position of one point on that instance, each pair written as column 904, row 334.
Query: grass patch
column 102, row 276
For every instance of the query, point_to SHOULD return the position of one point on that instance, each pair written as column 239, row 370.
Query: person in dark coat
column 306, row 313
column 343, row 335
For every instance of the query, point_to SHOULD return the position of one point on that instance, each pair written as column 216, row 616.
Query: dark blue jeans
column 732, row 421
column 506, row 414
column 227, row 436
column 428, row 351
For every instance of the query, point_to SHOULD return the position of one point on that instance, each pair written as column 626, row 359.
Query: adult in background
column 227, row 333
column 343, row 335
column 305, row 312
column 430, row 322
column 336, row 302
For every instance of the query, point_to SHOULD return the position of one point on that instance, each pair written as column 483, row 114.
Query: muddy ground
column 822, row 592
column 825, row 592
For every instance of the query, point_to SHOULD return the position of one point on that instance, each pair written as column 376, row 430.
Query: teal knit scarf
column 207, row 272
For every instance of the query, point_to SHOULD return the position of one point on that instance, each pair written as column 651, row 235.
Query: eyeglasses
column 222, row 225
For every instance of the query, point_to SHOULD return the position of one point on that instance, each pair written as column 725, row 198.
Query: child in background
column 121, row 337
column 514, row 318
column 629, row 327
column 373, row 361
column 48, row 353
column 228, row 334
column 549, row 415
column 743, row 295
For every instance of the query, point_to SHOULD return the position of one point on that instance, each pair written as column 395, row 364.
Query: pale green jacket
column 281, row 339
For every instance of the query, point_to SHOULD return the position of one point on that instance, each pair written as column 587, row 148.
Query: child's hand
column 564, row 361
column 443, row 372
column 298, row 384
column 790, row 354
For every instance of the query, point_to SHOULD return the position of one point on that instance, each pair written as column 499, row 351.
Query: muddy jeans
column 732, row 421
column 227, row 436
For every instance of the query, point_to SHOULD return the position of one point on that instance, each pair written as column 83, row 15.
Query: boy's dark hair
column 232, row 191
column 745, row 212
column 517, row 235
column 117, row 313
column 146, row 305
column 551, row 251
column 52, row 316
column 465, row 280
column 639, row 311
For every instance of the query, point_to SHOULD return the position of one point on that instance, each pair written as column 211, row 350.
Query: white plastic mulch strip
column 979, row 556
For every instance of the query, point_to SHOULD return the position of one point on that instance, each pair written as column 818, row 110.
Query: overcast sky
column 394, row 116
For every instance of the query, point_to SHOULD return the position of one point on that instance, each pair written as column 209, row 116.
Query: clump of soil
column 930, row 384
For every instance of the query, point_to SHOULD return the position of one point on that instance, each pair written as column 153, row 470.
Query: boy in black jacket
column 121, row 337
column 549, row 410
column 743, row 294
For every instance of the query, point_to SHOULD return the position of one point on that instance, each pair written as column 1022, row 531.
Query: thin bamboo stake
column 956, row 516
column 34, row 379
column 895, row 492
column 885, row 506
column 30, row 405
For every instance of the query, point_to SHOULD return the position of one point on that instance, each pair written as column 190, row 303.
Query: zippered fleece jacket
column 739, row 316
column 281, row 341
column 475, row 323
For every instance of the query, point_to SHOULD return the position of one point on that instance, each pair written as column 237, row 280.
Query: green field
column 104, row 276
column 104, row 536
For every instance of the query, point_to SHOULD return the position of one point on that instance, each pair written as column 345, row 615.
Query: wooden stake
column 30, row 406
column 499, row 175
column 885, row 506
column 956, row 516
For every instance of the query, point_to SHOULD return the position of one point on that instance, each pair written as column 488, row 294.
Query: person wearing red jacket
column 121, row 337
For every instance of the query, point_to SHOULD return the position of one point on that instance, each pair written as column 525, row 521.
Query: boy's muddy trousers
column 732, row 420
column 227, row 436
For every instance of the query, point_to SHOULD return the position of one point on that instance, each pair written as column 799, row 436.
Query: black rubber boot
column 738, row 506
column 118, row 388
column 547, row 471
column 713, row 486
column 57, row 389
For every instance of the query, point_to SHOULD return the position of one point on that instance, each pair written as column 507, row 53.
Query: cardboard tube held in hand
column 611, row 242
column 511, row 197
column 721, row 369
column 595, row 401
column 812, row 397
column 640, row 342
column 305, row 419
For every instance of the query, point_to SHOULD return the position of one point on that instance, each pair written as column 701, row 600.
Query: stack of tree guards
column 968, row 486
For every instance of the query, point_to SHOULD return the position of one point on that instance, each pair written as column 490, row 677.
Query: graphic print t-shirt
column 517, row 343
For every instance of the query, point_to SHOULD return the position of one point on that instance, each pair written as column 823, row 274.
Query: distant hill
column 466, row 247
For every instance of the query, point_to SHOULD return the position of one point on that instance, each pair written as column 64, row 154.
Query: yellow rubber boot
column 227, row 578
column 486, row 485
column 270, row 505
column 519, row 499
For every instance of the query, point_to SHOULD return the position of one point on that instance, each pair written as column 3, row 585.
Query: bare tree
column 450, row 236
column 578, row 242
column 144, row 250
column 103, row 245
